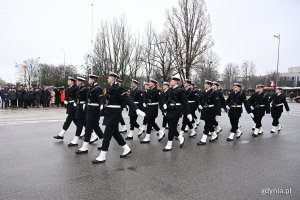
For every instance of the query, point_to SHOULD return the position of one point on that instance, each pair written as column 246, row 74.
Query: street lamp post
column 277, row 75
column 92, row 68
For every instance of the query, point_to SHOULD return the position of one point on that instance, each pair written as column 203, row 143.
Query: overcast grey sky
column 242, row 29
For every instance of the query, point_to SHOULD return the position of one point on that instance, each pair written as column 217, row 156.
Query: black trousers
column 112, row 130
column 209, row 126
column 20, row 103
column 133, row 123
column 122, row 121
column 145, row 121
column 70, row 118
column 276, row 117
column 215, row 123
column 257, row 120
column 151, row 123
column 165, row 122
column 234, row 124
column 90, row 127
column 173, row 128
column 186, row 121
column 79, row 126
column 13, row 103
column 193, row 112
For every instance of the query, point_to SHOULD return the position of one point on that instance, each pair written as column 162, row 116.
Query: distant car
column 297, row 99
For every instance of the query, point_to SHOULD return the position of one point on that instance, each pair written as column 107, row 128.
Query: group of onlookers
column 29, row 97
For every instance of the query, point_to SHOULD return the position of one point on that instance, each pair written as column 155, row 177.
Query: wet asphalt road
column 35, row 166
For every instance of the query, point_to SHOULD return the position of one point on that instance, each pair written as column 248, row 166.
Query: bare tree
column 2, row 82
column 189, row 27
column 28, row 71
column 230, row 75
column 113, row 50
column 148, row 51
column 247, row 73
column 207, row 67
column 164, row 61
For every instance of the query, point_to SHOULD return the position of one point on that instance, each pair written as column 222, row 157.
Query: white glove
column 101, row 118
column 101, row 107
column 251, row 107
column 65, row 102
column 83, row 106
column 74, row 104
column 144, row 105
column 222, row 109
column 290, row 113
column 190, row 118
column 228, row 108
column 217, row 118
column 251, row 114
column 139, row 112
column 200, row 107
column 165, row 106
column 124, row 109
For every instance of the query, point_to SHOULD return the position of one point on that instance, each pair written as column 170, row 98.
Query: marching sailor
column 163, row 96
column 151, row 100
column 278, row 100
column 209, row 104
column 191, row 97
column 70, row 102
column 216, row 88
column 81, row 96
column 259, row 104
column 176, row 104
column 112, row 114
column 136, row 96
column 93, row 107
column 234, row 107
column 122, row 122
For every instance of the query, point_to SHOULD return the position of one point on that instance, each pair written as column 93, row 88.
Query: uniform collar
column 208, row 90
column 175, row 86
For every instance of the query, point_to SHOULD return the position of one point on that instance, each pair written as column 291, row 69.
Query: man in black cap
column 191, row 97
column 222, row 107
column 145, row 92
column 93, row 108
column 234, row 106
column 209, row 104
column 163, row 96
column 259, row 104
column 122, row 122
column 176, row 105
column 112, row 114
column 81, row 98
column 136, row 96
column 70, row 100
column 194, row 108
column 151, row 101
column 278, row 100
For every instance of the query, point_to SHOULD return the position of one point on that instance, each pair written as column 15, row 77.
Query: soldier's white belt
column 113, row 106
column 136, row 102
column 209, row 106
column 71, row 101
column 93, row 104
column 152, row 104
column 191, row 101
column 82, row 102
column 175, row 104
column 237, row 106
column 277, row 105
column 261, row 106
